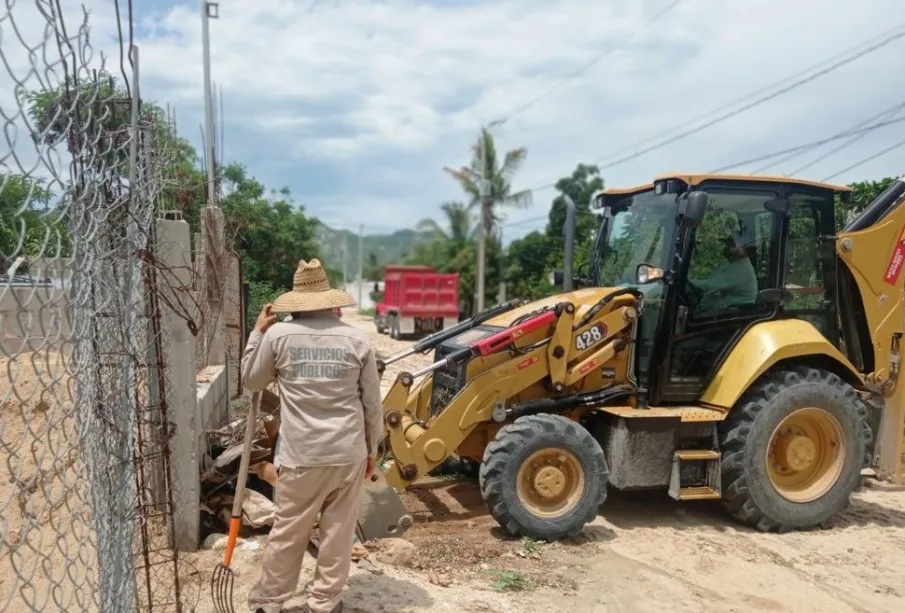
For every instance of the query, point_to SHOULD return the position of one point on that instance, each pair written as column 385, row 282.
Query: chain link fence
column 86, row 423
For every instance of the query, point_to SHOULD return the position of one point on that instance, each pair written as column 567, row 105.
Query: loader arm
column 872, row 248
column 556, row 347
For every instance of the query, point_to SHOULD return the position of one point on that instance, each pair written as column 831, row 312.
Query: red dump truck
column 417, row 300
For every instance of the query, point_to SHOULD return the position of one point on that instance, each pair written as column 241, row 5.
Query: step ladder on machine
column 695, row 475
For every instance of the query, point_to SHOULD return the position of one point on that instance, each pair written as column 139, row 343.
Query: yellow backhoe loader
column 725, row 342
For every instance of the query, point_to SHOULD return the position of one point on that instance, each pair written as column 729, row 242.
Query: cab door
column 715, row 295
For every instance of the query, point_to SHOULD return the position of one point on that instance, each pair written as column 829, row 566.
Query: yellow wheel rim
column 806, row 454
column 550, row 483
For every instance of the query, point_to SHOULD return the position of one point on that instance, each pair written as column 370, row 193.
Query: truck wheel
column 544, row 477
column 394, row 327
column 793, row 449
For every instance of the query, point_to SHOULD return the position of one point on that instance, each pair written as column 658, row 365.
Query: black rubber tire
column 748, row 494
column 870, row 417
column 513, row 444
column 394, row 327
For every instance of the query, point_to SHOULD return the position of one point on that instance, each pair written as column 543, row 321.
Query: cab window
column 731, row 258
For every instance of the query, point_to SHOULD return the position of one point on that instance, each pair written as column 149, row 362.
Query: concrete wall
column 367, row 287
column 33, row 318
column 212, row 408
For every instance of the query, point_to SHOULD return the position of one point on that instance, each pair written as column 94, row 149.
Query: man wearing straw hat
column 330, row 427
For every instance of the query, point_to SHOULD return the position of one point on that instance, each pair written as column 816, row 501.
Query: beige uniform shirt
column 331, row 412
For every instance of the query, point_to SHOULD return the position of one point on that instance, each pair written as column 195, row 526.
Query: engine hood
column 583, row 299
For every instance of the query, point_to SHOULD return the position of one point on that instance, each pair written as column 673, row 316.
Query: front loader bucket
column 381, row 513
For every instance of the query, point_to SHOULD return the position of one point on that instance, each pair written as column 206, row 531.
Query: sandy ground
column 47, row 552
column 644, row 553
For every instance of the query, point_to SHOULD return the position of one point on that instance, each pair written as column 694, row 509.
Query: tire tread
column 493, row 483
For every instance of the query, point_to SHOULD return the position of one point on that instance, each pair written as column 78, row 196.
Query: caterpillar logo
column 589, row 366
column 528, row 362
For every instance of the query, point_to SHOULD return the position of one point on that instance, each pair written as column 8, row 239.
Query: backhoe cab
column 726, row 343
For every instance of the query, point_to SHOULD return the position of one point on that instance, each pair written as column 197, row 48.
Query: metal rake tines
column 222, row 583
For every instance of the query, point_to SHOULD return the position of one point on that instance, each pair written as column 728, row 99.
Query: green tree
column 444, row 243
column 863, row 193
column 271, row 233
column 453, row 249
column 94, row 119
column 465, row 264
column 458, row 219
column 532, row 257
column 373, row 270
column 579, row 186
column 29, row 226
column 528, row 268
column 486, row 166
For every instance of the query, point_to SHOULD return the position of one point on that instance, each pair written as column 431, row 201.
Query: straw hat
column 311, row 291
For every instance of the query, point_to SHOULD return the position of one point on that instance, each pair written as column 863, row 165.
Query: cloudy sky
column 356, row 105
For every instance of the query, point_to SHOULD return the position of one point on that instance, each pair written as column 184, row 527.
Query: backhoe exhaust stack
column 570, row 243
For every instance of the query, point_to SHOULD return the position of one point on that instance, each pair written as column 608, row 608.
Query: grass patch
column 511, row 581
column 530, row 548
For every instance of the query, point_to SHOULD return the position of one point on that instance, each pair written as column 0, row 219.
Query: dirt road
column 644, row 553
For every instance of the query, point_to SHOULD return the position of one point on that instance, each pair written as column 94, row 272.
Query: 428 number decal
column 590, row 337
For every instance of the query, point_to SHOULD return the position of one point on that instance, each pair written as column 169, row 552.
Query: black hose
column 565, row 403
column 605, row 301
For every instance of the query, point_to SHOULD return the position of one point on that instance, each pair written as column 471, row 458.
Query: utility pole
column 345, row 260
column 209, row 10
column 361, row 236
column 484, row 189
column 481, row 239
column 502, row 297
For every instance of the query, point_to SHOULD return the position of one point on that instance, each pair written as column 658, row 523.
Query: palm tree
column 458, row 219
column 485, row 165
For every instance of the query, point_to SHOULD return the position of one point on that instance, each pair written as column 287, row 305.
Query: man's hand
column 265, row 319
column 372, row 466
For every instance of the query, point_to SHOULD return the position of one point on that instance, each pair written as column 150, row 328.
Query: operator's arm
column 369, row 384
column 258, row 366
column 711, row 283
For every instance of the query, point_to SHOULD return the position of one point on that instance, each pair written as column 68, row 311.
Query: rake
column 223, row 578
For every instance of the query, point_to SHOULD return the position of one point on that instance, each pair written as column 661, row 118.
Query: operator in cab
column 331, row 423
column 732, row 284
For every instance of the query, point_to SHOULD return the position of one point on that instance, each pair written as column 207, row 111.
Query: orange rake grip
column 234, row 524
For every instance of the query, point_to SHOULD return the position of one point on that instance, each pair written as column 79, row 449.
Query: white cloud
column 357, row 105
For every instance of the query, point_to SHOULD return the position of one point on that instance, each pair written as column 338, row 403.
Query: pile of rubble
column 218, row 482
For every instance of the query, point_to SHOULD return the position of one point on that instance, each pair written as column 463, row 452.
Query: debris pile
column 218, row 482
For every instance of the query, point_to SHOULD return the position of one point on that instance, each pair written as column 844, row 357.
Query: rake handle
column 235, row 521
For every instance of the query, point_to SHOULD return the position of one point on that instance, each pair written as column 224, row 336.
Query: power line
column 867, row 159
column 837, row 149
column 525, row 221
column 759, row 101
column 811, row 145
column 759, row 91
column 848, row 56
column 591, row 63
column 882, row 115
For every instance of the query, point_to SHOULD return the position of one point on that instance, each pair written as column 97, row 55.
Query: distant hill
column 389, row 248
